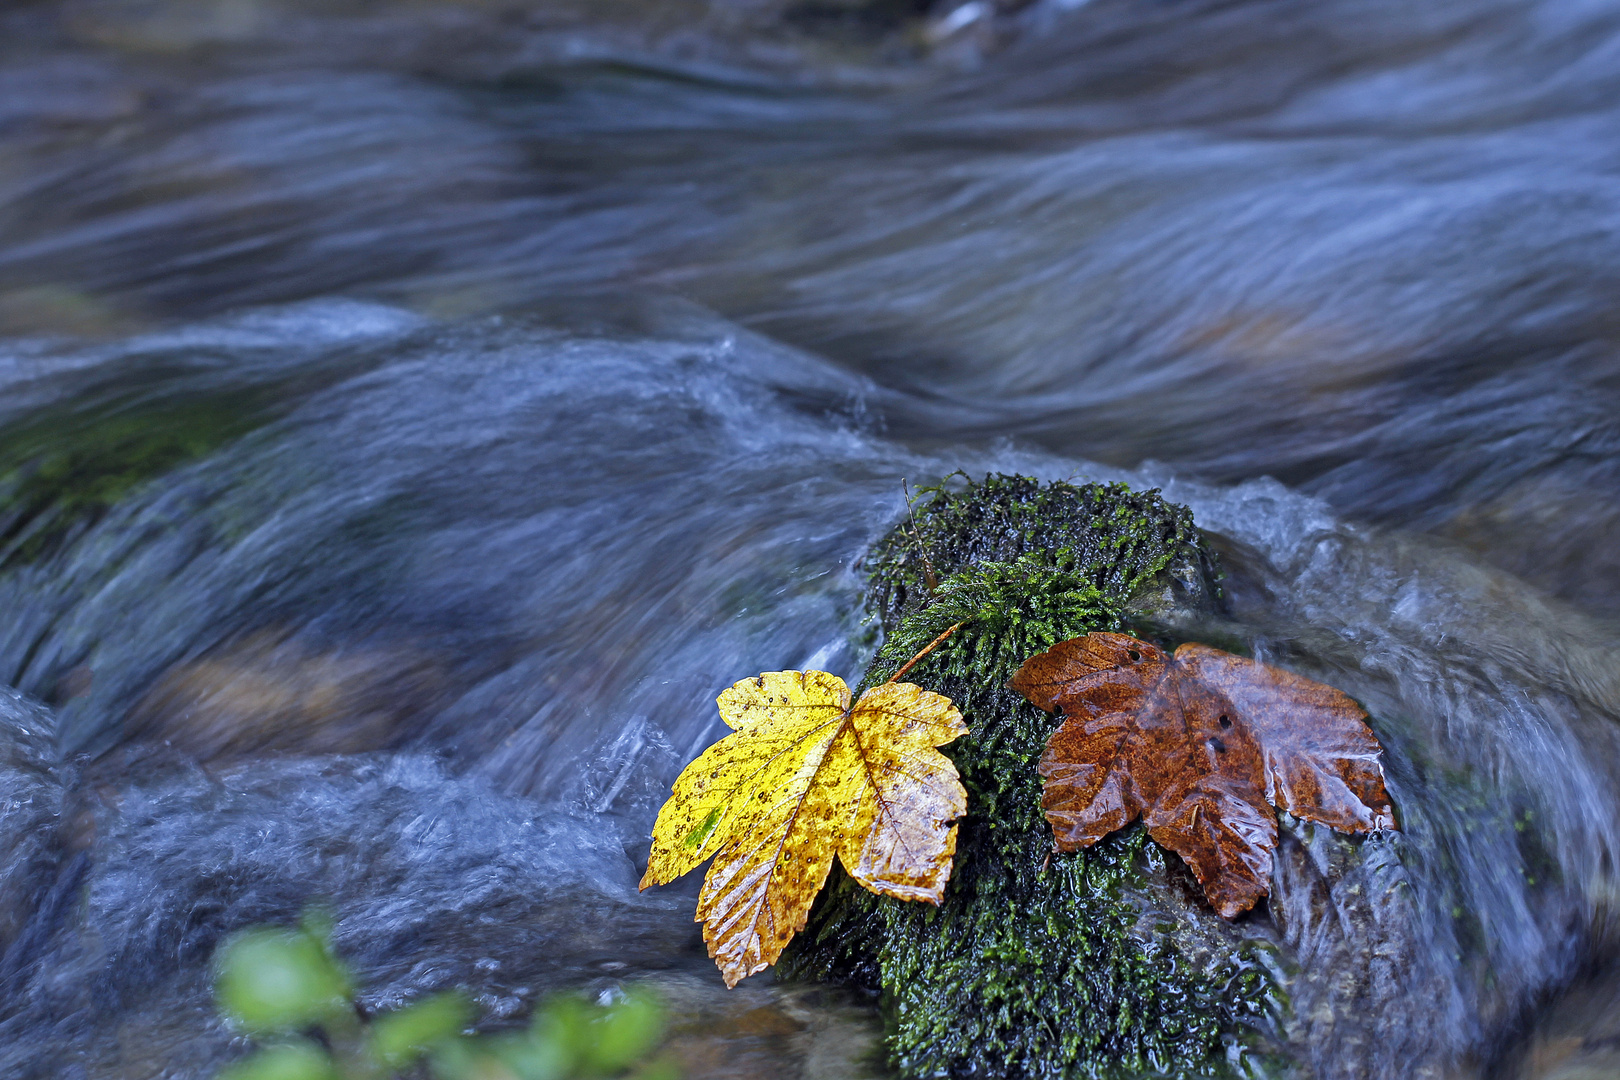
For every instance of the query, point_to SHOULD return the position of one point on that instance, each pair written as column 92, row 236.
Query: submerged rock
column 30, row 806
column 1037, row 964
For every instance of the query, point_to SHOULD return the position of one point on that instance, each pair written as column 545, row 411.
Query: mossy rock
column 63, row 468
column 1030, row 967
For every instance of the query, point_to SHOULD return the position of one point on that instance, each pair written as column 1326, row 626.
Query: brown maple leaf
column 1198, row 744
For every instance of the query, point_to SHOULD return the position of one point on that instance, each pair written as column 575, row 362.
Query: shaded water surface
column 412, row 415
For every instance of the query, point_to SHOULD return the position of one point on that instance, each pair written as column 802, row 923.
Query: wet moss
column 1029, row 968
column 62, row 469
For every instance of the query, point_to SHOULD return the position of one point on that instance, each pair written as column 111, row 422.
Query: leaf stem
column 931, row 646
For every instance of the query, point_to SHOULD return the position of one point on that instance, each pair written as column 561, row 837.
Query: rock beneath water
column 1039, row 964
column 30, row 807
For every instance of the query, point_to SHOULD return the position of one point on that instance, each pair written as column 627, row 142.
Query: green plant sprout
column 285, row 987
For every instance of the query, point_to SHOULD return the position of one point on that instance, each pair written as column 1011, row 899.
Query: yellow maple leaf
column 804, row 777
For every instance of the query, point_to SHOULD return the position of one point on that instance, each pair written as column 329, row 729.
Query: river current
column 413, row 414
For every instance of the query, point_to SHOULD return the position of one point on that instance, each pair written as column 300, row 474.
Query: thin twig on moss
column 931, row 646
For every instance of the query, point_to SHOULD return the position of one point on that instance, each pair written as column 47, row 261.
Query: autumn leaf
column 1198, row 744
column 804, row 777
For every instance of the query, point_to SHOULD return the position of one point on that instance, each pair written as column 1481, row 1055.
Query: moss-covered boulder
column 1034, row 965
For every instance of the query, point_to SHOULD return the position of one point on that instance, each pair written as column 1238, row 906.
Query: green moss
column 61, row 470
column 1029, row 967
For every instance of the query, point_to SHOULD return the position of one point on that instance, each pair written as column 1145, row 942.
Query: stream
column 412, row 414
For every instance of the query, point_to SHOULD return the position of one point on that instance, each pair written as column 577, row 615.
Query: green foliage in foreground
column 286, row 988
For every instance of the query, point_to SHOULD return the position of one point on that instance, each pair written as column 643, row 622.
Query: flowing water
column 412, row 414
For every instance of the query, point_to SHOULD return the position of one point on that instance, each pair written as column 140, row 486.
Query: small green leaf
column 290, row 1061
column 623, row 1033
column 519, row 1056
column 562, row 1027
column 275, row 980
column 401, row 1037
